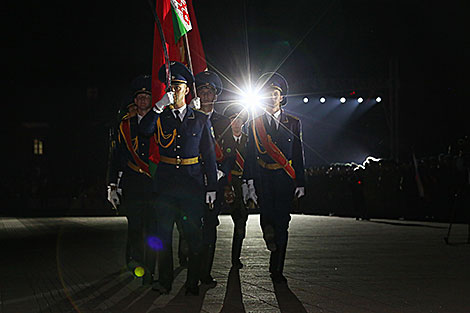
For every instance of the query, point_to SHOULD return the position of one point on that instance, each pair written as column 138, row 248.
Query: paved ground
column 333, row 265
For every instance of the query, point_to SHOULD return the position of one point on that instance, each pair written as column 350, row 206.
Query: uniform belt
column 271, row 166
column 135, row 168
column 179, row 161
column 236, row 173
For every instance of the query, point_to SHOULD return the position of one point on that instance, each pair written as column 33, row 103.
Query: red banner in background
column 198, row 56
column 176, row 50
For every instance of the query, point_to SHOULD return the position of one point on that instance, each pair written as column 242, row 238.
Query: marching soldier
column 130, row 181
column 233, row 191
column 186, row 147
column 209, row 86
column 275, row 168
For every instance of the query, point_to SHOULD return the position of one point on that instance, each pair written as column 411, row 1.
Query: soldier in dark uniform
column 209, row 86
column 275, row 161
column 186, row 147
column 233, row 191
column 129, row 173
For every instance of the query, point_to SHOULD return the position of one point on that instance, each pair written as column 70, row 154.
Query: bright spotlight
column 322, row 100
column 305, row 100
column 342, row 100
column 360, row 100
column 378, row 99
column 251, row 99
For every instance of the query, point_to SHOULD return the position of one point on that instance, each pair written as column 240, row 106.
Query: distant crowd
column 377, row 188
column 431, row 188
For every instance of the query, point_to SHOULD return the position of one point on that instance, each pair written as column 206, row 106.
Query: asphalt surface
column 332, row 265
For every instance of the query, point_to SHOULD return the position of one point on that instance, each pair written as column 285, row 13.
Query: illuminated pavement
column 333, row 265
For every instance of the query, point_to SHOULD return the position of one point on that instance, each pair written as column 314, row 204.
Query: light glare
column 360, row 100
column 305, row 100
column 378, row 99
column 322, row 100
column 251, row 99
column 342, row 100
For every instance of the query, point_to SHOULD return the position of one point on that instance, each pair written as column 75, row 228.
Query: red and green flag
column 178, row 19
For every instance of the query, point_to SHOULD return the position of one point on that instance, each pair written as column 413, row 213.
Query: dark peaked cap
column 142, row 84
column 210, row 79
column 236, row 109
column 180, row 74
column 274, row 80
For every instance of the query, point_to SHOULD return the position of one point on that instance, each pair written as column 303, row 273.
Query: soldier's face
column 274, row 99
column 143, row 101
column 180, row 90
column 237, row 124
column 207, row 95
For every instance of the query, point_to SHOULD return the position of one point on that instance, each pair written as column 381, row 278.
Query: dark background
column 68, row 66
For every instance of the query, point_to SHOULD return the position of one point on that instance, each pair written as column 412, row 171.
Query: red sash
column 273, row 151
column 219, row 154
column 126, row 133
column 154, row 150
column 239, row 160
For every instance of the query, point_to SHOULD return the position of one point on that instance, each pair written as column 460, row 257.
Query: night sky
column 56, row 51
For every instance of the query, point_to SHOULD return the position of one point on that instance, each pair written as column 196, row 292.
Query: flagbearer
column 275, row 168
column 186, row 147
column 129, row 173
column 233, row 191
column 209, row 86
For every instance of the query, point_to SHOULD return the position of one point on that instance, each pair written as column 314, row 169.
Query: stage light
column 378, row 99
column 305, row 100
column 342, row 100
column 322, row 100
column 360, row 100
column 251, row 99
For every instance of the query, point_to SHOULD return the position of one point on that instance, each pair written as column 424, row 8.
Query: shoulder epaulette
column 128, row 116
column 295, row 118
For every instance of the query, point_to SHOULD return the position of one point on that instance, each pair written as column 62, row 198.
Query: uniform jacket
column 193, row 138
column 223, row 136
column 288, row 138
column 241, row 147
column 132, row 181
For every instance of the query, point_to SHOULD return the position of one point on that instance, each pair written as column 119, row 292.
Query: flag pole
column 190, row 63
column 165, row 51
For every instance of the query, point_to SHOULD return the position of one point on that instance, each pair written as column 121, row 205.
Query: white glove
column 195, row 103
column 299, row 192
column 245, row 192
column 113, row 195
column 252, row 192
column 220, row 174
column 167, row 99
column 210, row 197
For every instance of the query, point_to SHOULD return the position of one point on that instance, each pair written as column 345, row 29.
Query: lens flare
column 251, row 99
column 139, row 271
column 155, row 243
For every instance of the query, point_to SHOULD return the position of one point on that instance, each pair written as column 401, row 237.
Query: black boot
column 192, row 280
column 277, row 265
column 165, row 271
column 273, row 261
column 236, row 251
column 206, row 266
column 269, row 236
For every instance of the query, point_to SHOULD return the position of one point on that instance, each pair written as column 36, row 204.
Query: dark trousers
column 275, row 190
column 187, row 205
column 239, row 214
column 209, row 237
column 138, row 208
